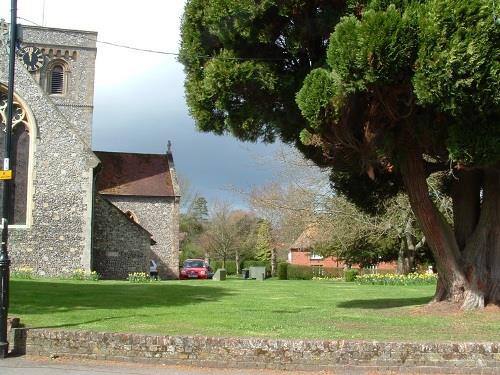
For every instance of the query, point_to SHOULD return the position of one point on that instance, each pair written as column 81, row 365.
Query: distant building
column 301, row 253
column 72, row 208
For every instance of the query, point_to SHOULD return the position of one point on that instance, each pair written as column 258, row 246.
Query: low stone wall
column 200, row 351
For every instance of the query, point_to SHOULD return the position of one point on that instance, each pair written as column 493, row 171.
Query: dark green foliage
column 379, row 48
column 283, row 271
column 458, row 70
column 252, row 99
column 295, row 272
column 350, row 275
column 366, row 193
column 315, row 96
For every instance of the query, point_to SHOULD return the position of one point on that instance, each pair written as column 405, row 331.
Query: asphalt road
column 45, row 366
column 59, row 366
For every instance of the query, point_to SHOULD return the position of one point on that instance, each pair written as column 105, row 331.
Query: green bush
column 350, row 275
column 296, row 272
column 282, row 271
column 230, row 267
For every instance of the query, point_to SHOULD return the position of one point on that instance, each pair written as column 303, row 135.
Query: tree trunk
column 482, row 249
column 465, row 192
column 439, row 235
column 273, row 261
column 403, row 266
column 468, row 257
column 407, row 250
column 237, row 261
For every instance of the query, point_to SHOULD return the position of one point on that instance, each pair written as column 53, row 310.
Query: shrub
column 230, row 267
column 350, row 275
column 282, row 271
column 296, row 272
column 23, row 273
column 393, row 279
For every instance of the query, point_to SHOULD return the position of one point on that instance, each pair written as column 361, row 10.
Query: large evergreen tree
column 387, row 92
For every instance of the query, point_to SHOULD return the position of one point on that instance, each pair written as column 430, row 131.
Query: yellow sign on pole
column 6, row 175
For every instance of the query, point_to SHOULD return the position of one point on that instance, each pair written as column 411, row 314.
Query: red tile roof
column 134, row 174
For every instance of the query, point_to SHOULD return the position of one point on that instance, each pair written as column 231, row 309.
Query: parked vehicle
column 195, row 269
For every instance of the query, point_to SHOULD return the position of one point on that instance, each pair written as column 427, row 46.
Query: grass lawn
column 272, row 308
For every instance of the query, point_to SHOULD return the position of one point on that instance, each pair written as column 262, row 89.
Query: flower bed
column 394, row 279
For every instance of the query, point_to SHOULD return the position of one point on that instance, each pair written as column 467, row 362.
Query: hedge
column 296, row 272
column 230, row 266
column 282, row 271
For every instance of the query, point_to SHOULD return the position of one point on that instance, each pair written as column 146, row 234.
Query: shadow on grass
column 384, row 303
column 42, row 297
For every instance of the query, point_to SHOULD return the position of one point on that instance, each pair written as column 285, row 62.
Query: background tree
column 228, row 234
column 264, row 244
column 191, row 221
column 406, row 88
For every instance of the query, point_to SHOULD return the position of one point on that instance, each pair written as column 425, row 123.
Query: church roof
column 134, row 174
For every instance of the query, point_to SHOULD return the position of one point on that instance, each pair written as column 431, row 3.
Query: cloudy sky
column 139, row 97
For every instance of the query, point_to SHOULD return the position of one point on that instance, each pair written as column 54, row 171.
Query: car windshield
column 193, row 264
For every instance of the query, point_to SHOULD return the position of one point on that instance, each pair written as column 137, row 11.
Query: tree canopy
column 383, row 92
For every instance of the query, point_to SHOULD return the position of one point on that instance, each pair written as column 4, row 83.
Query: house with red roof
column 302, row 253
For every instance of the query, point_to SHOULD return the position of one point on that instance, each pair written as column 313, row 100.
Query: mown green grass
column 272, row 308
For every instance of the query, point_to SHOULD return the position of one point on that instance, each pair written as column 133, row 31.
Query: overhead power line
column 147, row 50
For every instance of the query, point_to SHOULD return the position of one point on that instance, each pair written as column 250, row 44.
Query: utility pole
column 4, row 255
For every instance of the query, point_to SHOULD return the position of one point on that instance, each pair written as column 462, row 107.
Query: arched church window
column 19, row 160
column 57, row 80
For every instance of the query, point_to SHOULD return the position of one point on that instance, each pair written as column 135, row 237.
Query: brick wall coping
column 282, row 354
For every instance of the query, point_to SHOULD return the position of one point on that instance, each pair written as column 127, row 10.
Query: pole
column 4, row 255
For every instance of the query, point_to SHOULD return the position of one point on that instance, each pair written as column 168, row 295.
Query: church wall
column 120, row 247
column 160, row 217
column 56, row 239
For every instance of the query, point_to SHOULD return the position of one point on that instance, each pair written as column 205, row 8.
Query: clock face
column 32, row 58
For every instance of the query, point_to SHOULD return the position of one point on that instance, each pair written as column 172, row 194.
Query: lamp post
column 4, row 255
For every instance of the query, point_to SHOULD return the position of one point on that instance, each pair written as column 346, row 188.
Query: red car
column 195, row 269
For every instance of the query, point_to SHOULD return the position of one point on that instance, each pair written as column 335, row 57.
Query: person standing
column 153, row 270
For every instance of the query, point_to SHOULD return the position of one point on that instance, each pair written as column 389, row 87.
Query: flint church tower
column 67, row 70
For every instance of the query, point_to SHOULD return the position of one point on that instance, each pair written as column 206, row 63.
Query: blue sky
column 139, row 97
